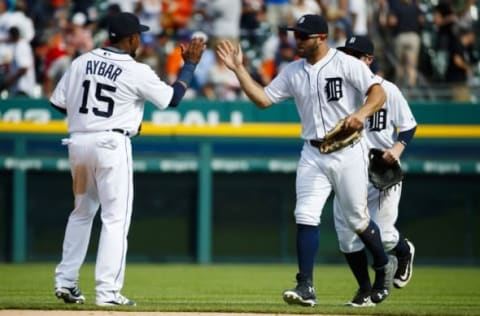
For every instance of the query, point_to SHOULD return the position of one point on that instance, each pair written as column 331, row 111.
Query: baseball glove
column 381, row 174
column 338, row 138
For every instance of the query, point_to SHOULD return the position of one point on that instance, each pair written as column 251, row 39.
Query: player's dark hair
column 114, row 40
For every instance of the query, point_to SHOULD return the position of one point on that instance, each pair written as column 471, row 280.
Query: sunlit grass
column 247, row 288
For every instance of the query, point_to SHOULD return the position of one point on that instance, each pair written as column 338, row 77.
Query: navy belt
column 121, row 131
column 315, row 143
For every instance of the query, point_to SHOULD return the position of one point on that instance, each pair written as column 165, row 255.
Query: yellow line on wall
column 256, row 130
column 25, row 127
column 273, row 130
column 448, row 131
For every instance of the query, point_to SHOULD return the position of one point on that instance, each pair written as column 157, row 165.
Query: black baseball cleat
column 70, row 295
column 384, row 280
column 379, row 295
column 361, row 299
column 303, row 294
column 405, row 267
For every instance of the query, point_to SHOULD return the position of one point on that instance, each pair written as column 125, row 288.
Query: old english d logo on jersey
column 378, row 121
column 333, row 89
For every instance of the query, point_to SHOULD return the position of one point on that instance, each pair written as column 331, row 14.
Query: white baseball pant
column 383, row 208
column 345, row 173
column 101, row 166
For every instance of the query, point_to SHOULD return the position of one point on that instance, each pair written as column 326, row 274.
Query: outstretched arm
column 233, row 58
column 191, row 54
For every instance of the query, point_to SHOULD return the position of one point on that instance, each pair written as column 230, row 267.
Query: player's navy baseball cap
column 359, row 44
column 310, row 24
column 124, row 24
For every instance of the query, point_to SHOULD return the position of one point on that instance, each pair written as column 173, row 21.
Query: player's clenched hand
column 231, row 56
column 194, row 50
column 354, row 122
column 390, row 156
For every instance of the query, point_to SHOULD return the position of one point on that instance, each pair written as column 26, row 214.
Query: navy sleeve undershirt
column 185, row 76
column 406, row 136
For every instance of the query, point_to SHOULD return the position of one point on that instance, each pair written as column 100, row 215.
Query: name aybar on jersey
column 102, row 68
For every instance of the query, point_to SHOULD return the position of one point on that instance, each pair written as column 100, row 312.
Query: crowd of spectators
column 420, row 45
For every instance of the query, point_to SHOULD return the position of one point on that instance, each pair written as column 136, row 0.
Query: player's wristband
column 406, row 136
column 186, row 74
column 178, row 93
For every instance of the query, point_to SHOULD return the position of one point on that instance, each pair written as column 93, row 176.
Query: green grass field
column 247, row 288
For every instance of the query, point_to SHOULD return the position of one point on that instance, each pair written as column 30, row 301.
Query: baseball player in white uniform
column 391, row 129
column 103, row 94
column 324, row 84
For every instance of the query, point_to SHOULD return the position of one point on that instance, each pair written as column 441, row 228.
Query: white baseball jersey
column 103, row 90
column 324, row 93
column 395, row 116
column 381, row 132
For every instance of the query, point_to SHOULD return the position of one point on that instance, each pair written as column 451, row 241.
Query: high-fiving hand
column 194, row 50
column 231, row 56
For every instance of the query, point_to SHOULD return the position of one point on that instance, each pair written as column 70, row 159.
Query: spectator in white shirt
column 20, row 78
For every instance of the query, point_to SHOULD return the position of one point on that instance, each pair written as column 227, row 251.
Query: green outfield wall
column 214, row 182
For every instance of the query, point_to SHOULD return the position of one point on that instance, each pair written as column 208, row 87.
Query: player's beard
column 309, row 51
column 133, row 53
